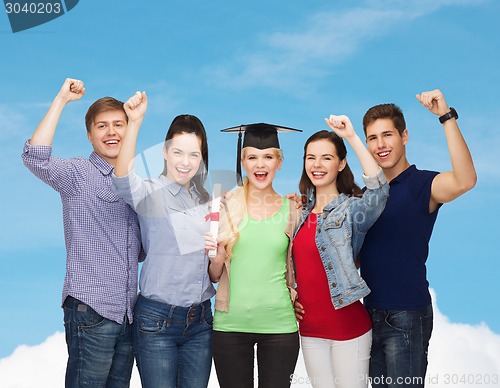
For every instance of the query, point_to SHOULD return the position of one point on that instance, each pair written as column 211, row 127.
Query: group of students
column 277, row 261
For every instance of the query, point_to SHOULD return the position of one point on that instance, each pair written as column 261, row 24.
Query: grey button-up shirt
column 173, row 225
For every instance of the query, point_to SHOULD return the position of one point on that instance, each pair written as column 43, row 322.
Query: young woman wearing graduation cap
column 253, row 267
column 335, row 327
column 172, row 316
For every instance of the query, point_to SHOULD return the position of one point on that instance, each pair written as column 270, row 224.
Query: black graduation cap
column 260, row 135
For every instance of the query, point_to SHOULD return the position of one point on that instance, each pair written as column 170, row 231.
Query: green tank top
column 259, row 300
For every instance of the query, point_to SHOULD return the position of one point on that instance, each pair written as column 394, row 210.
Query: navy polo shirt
column 396, row 247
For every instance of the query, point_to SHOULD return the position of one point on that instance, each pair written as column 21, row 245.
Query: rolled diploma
column 214, row 216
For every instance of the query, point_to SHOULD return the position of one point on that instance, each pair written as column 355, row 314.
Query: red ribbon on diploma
column 212, row 216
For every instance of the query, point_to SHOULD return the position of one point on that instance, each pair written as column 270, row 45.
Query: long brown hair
column 345, row 178
column 191, row 124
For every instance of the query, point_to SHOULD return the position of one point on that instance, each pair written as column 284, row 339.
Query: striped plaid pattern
column 101, row 231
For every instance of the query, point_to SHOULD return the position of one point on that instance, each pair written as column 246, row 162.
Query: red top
column 321, row 320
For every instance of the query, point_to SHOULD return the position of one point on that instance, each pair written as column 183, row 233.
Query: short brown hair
column 102, row 105
column 385, row 111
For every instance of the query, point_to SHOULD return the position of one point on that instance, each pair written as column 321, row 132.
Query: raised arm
column 451, row 184
column 135, row 108
column 71, row 90
column 342, row 126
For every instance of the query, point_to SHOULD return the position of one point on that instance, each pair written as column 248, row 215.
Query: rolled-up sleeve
column 367, row 209
column 376, row 181
column 60, row 174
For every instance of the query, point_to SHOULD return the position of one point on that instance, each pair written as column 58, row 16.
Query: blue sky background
column 228, row 62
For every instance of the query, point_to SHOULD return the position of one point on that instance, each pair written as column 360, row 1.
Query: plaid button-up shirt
column 101, row 231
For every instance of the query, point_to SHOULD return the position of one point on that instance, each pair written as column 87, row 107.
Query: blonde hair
column 277, row 151
column 235, row 210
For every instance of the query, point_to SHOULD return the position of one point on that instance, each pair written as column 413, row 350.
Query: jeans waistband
column 423, row 311
column 71, row 302
column 170, row 310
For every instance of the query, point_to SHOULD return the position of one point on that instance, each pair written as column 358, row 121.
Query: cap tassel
column 239, row 181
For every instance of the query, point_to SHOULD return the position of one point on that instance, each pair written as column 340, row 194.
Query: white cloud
column 41, row 366
column 44, row 365
column 289, row 60
column 464, row 355
column 460, row 355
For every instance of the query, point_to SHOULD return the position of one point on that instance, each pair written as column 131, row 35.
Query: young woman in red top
column 335, row 327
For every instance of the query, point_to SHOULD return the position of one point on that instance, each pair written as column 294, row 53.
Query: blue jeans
column 173, row 344
column 100, row 350
column 399, row 347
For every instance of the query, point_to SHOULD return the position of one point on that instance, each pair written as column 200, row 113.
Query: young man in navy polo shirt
column 396, row 247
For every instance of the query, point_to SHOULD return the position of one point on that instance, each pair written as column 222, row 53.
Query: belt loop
column 203, row 306
column 171, row 311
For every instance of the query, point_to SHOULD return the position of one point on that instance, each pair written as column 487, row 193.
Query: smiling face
column 183, row 156
column 387, row 145
column 106, row 133
column 322, row 164
column 261, row 165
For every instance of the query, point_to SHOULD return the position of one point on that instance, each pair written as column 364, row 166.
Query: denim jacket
column 340, row 233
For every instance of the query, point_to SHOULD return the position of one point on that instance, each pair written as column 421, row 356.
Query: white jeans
column 339, row 364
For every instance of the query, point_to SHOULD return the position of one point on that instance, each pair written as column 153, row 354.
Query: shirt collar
column 175, row 188
column 104, row 167
column 335, row 202
column 332, row 205
column 405, row 174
